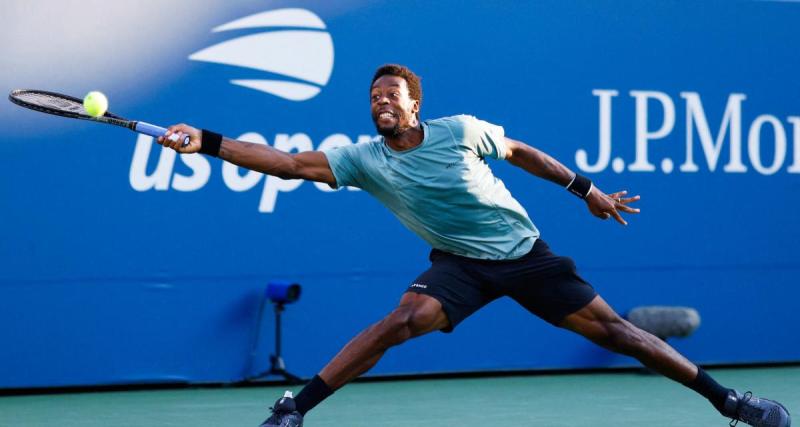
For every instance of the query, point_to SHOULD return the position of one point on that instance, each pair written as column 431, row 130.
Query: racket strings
column 62, row 105
column 49, row 101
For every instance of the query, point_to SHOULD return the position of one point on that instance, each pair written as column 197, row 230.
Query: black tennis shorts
column 545, row 284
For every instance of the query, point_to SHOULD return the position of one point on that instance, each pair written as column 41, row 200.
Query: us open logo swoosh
column 300, row 50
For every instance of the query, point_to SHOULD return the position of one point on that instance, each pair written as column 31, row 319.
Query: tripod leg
column 279, row 368
column 277, row 365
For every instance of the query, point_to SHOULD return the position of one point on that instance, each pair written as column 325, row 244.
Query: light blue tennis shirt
column 443, row 190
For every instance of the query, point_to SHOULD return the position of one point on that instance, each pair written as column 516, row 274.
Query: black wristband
column 210, row 143
column 580, row 186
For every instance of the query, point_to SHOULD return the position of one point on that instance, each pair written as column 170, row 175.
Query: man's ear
column 415, row 107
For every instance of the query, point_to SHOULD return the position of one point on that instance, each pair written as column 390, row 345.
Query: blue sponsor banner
column 125, row 263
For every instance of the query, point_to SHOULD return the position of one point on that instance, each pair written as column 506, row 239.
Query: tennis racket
column 68, row 106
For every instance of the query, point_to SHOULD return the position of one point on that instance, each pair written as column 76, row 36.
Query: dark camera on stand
column 283, row 292
column 279, row 293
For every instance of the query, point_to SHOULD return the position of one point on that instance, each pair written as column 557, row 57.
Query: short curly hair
column 412, row 80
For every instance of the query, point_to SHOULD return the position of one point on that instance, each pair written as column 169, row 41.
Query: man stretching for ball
column 433, row 176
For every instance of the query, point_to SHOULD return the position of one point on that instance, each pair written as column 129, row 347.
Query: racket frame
column 108, row 118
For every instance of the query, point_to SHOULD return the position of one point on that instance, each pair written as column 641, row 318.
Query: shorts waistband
column 538, row 246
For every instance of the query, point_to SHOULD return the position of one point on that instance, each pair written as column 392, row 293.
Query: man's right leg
column 438, row 299
column 416, row 315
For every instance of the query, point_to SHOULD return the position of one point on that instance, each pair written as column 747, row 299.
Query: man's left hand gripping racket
column 68, row 106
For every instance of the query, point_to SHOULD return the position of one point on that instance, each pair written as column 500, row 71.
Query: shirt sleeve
column 345, row 164
column 486, row 139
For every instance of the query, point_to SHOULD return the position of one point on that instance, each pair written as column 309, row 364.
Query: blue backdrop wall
column 123, row 263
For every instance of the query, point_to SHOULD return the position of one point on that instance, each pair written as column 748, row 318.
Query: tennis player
column 434, row 177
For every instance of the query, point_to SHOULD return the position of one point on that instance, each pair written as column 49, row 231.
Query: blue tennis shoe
column 284, row 413
column 755, row 411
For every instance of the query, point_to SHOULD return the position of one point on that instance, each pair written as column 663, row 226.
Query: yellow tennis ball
column 95, row 103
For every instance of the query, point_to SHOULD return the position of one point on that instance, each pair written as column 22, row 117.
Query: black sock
column 709, row 388
column 312, row 394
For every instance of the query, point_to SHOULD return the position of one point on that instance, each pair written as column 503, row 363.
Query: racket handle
column 156, row 131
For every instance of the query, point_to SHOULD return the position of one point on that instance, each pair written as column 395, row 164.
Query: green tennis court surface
column 592, row 400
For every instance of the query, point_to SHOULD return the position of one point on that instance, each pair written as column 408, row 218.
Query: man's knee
column 407, row 322
column 602, row 325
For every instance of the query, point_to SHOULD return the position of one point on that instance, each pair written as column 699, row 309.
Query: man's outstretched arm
column 310, row 165
column 601, row 205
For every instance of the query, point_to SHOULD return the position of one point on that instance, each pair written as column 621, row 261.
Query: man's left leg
column 602, row 325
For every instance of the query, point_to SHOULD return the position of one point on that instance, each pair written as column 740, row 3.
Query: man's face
column 393, row 110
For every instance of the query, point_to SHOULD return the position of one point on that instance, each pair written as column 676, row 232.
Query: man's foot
column 284, row 413
column 755, row 411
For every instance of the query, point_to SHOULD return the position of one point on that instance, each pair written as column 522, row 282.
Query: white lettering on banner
column 159, row 179
column 696, row 122
column 604, row 153
column 731, row 120
column 795, row 121
column 201, row 172
column 235, row 178
column 754, row 144
column 643, row 135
